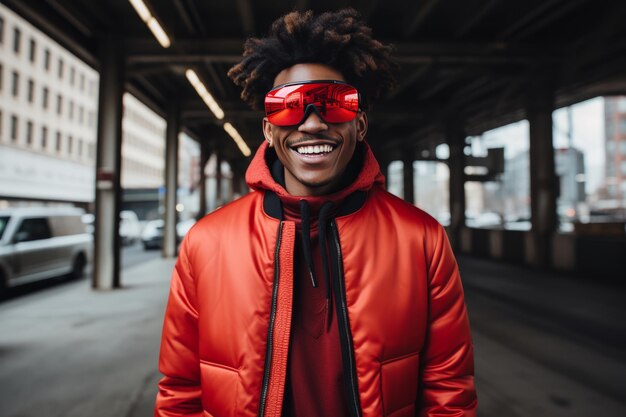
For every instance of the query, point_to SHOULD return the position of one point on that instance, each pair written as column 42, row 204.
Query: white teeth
column 314, row 149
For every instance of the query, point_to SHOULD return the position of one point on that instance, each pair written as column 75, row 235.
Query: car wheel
column 78, row 267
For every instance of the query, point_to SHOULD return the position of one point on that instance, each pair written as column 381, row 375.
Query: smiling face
column 315, row 153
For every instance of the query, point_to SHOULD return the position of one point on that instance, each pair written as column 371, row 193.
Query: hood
column 259, row 176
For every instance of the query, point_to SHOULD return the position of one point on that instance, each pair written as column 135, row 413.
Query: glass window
column 79, row 151
column 30, row 90
column 32, row 50
column 14, row 128
column 46, row 59
column 29, row 133
column 17, row 40
column 499, row 199
column 70, row 143
column 44, row 137
column 15, row 84
column 71, row 110
column 58, row 142
column 82, row 82
column 33, row 229
column 395, row 182
column 431, row 189
column 59, row 104
column 580, row 157
column 45, row 97
column 60, row 68
column 4, row 220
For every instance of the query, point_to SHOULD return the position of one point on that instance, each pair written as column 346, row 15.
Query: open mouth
column 314, row 150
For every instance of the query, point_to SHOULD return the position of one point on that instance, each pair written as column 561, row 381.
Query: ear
column 267, row 132
column 361, row 126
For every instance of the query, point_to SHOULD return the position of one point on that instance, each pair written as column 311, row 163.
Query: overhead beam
column 141, row 51
column 185, row 16
column 475, row 18
column 414, row 20
column 244, row 7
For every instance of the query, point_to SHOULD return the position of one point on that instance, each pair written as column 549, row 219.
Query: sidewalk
column 70, row 351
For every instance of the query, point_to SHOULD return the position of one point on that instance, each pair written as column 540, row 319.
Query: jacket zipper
column 344, row 327
column 270, row 331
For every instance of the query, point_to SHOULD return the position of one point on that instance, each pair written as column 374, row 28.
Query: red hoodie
column 315, row 383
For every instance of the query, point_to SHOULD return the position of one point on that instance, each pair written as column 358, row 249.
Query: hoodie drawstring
column 306, row 248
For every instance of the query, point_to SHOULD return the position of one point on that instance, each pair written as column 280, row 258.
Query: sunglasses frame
column 307, row 109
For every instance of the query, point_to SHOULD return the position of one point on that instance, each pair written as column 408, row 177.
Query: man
column 319, row 293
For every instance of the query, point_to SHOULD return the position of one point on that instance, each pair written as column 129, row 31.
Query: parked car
column 42, row 242
column 130, row 229
column 152, row 235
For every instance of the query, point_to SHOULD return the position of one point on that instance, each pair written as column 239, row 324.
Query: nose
column 313, row 124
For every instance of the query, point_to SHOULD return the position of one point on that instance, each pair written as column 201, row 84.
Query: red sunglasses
column 290, row 104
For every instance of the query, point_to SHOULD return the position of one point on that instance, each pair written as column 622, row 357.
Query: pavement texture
column 74, row 352
column 545, row 344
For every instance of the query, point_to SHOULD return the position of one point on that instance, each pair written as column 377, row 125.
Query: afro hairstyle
column 338, row 39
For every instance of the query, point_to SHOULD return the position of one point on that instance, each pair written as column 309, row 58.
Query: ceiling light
column 154, row 26
column 243, row 147
column 204, row 94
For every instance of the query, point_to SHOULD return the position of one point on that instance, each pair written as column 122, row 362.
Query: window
column 72, row 75
column 29, row 133
column 15, row 85
column 82, row 82
column 46, row 59
column 71, row 110
column 14, row 128
column 44, row 137
column 80, row 148
column 44, row 97
column 17, row 39
column 58, row 142
column 31, row 90
column 1, row 29
column 32, row 50
column 81, row 114
column 59, row 104
column 60, row 68
column 70, row 142
column 33, row 229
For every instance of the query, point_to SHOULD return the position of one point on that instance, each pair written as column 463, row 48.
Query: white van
column 42, row 242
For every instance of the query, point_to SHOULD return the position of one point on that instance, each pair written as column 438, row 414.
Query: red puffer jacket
column 406, row 344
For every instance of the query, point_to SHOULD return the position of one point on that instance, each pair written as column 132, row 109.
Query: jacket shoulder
column 402, row 210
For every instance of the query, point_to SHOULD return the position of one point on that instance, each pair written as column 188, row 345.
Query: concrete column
column 407, row 171
column 455, row 136
column 171, row 181
column 204, row 157
column 106, row 268
column 543, row 179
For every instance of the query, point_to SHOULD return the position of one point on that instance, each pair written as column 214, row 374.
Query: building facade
column 615, row 148
column 48, row 117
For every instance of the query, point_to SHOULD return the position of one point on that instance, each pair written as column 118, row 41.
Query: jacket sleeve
column 179, row 391
column 447, row 372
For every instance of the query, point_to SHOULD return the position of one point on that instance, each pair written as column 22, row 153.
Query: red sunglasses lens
column 334, row 102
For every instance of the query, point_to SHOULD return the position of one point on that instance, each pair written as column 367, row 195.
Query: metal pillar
column 106, row 268
column 171, row 183
column 543, row 179
column 408, row 173
column 456, row 142
column 204, row 157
